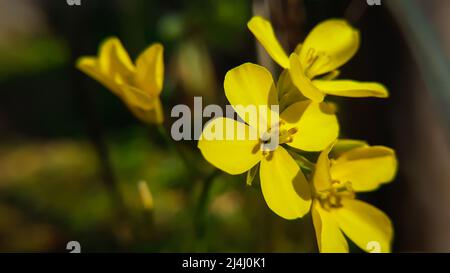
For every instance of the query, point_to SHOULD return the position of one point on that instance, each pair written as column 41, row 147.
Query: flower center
column 274, row 136
column 332, row 198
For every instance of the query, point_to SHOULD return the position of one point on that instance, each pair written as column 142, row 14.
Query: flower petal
column 137, row 97
column 228, row 145
column 152, row 115
column 354, row 89
column 344, row 145
column 284, row 186
column 287, row 92
column 317, row 127
column 250, row 87
column 302, row 82
column 333, row 42
column 263, row 31
column 365, row 167
column 364, row 224
column 330, row 75
column 89, row 65
column 114, row 60
column 322, row 176
column 150, row 69
column 329, row 238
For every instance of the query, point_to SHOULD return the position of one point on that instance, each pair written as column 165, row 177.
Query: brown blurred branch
column 355, row 11
column 287, row 18
column 261, row 7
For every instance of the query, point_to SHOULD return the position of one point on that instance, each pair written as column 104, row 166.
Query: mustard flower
column 137, row 85
column 313, row 66
column 336, row 211
column 304, row 125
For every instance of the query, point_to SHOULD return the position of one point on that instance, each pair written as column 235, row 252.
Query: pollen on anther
column 292, row 131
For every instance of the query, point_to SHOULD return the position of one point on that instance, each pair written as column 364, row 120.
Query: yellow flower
column 304, row 125
column 146, row 195
column 356, row 168
column 313, row 65
column 138, row 85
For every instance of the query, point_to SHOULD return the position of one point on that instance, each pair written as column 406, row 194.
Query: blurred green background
column 71, row 154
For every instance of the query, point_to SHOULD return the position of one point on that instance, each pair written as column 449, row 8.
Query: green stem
column 202, row 206
column 305, row 163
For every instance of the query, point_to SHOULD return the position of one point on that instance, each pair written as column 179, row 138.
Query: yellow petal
column 302, row 82
column 316, row 127
column 287, row 92
column 250, row 87
column 344, row 145
column 153, row 115
column 364, row 224
column 137, row 97
column 263, row 31
column 150, row 69
column 89, row 65
column 333, row 42
column 330, row 75
column 298, row 48
column 284, row 186
column 284, row 84
column 114, row 60
column 365, row 167
column 146, row 195
column 348, row 88
column 225, row 143
column 329, row 237
column 322, row 176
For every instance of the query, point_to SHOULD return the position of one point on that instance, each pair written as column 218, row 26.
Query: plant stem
column 202, row 206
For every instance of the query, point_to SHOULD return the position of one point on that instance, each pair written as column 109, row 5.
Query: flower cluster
column 309, row 169
column 306, row 123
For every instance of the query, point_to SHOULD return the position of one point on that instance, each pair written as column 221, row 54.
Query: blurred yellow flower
column 146, row 195
column 304, row 125
column 138, row 85
column 335, row 209
column 313, row 65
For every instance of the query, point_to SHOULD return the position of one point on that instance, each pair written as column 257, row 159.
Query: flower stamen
column 315, row 61
column 332, row 198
